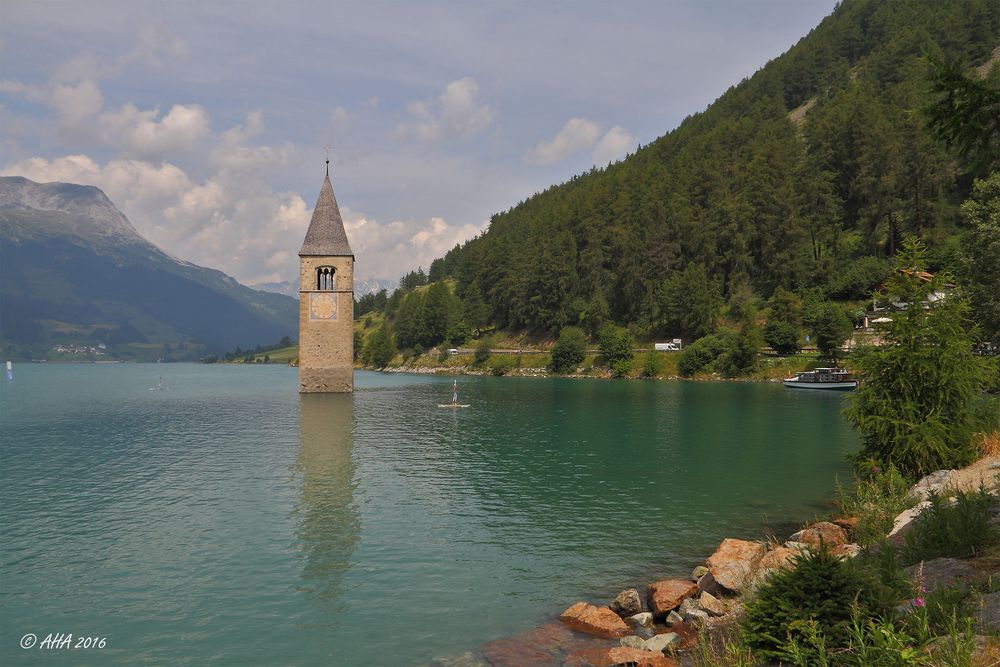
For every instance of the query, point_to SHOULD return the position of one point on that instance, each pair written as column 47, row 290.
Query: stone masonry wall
column 326, row 347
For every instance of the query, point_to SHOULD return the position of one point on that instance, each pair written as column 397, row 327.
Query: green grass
column 280, row 356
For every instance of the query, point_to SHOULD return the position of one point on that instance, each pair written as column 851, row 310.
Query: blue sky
column 205, row 122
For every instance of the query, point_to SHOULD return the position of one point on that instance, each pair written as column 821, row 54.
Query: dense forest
column 799, row 183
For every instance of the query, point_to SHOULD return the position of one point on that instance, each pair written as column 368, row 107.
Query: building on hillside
column 326, row 300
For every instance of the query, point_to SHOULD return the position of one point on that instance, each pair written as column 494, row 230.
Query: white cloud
column 388, row 250
column 456, row 113
column 577, row 134
column 139, row 133
column 613, row 146
column 228, row 221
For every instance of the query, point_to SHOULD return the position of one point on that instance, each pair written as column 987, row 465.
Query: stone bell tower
column 326, row 300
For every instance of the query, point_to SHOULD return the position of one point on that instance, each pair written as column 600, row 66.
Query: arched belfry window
column 326, row 278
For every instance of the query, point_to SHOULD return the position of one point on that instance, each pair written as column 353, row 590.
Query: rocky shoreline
column 661, row 626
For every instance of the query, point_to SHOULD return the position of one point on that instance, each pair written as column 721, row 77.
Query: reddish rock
column 823, row 532
column 599, row 621
column 848, row 523
column 668, row 594
column 778, row 557
column 619, row 655
column 712, row 604
column 735, row 562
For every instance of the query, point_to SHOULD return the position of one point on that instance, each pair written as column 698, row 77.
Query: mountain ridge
column 76, row 270
column 741, row 190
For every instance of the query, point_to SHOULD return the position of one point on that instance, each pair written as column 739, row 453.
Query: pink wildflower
column 919, row 600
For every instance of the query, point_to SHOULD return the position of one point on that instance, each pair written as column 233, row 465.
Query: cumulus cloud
column 228, row 221
column 388, row 250
column 144, row 134
column 205, row 194
column 456, row 113
column 576, row 134
column 613, row 146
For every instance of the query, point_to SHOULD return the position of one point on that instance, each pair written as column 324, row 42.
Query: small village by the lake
column 500, row 335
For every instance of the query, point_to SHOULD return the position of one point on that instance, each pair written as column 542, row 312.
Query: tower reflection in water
column 329, row 524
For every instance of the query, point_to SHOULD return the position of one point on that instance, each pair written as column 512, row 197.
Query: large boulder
column 696, row 617
column 824, row 532
column 941, row 572
column 689, row 604
column 903, row 523
column 936, row 482
column 661, row 642
column 778, row 558
column 594, row 620
column 627, row 603
column 735, row 562
column 643, row 619
column 713, row 605
column 668, row 594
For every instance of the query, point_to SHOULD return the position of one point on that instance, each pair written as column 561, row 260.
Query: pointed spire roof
column 326, row 235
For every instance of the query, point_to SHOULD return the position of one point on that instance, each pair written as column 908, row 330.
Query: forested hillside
column 805, row 176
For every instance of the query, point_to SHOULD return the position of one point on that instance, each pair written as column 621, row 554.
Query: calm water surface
column 228, row 520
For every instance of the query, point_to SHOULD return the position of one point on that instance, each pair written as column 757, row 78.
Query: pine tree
column 914, row 407
column 981, row 265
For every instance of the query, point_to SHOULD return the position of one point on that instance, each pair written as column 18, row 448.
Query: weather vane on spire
column 327, row 148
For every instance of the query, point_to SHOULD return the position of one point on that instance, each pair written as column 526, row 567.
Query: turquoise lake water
column 228, row 520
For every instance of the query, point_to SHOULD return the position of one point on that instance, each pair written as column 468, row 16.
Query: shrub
column 878, row 496
column 616, row 346
column 958, row 530
column 652, row 365
column 482, row 353
column 502, row 366
column 831, row 327
column 380, row 348
column 782, row 337
column 702, row 353
column 569, row 350
column 621, row 367
column 813, row 599
column 740, row 355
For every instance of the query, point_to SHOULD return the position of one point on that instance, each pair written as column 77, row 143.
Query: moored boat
column 836, row 379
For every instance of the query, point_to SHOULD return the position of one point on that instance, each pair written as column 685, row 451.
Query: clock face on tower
column 322, row 306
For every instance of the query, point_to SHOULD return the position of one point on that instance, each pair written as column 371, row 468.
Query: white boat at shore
column 836, row 379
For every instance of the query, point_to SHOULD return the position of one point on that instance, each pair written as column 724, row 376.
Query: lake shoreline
column 673, row 618
column 545, row 373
